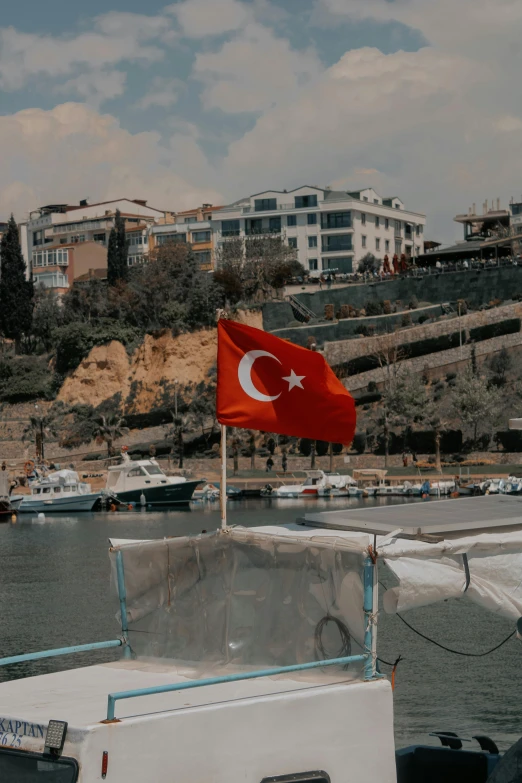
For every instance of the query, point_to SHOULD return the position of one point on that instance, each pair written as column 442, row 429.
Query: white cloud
column 115, row 38
column 253, row 71
column 96, row 86
column 201, row 18
column 162, row 92
column 72, row 150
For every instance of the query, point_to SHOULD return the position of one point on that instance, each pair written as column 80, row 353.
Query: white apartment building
column 330, row 229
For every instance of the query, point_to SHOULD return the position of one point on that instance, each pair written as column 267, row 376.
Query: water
column 54, row 591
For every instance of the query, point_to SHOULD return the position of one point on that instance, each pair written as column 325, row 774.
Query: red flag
column 265, row 383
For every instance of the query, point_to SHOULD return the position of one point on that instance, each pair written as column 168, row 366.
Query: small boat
column 490, row 486
column 442, row 487
column 144, row 483
column 335, row 485
column 61, row 491
column 469, row 489
column 317, row 484
column 207, row 492
column 369, row 480
column 510, row 486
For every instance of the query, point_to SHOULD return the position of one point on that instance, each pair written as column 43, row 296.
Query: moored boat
column 60, row 491
column 144, row 483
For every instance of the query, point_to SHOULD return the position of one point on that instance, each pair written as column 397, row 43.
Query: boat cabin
column 61, row 482
column 130, row 475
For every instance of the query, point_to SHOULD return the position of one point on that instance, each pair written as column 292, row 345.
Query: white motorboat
column 369, row 480
column 438, row 488
column 336, row 485
column 143, row 483
column 189, row 670
column 61, row 491
column 510, row 486
column 317, row 484
column 207, row 492
column 490, row 486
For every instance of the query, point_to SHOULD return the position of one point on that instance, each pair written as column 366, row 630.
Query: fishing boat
column 246, row 670
column 60, row 491
column 144, row 483
column 369, row 480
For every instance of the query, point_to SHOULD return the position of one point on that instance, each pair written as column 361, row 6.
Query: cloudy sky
column 210, row 100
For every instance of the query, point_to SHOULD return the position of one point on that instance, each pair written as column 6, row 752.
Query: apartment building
column 330, row 229
column 58, row 266
column 193, row 226
column 59, row 226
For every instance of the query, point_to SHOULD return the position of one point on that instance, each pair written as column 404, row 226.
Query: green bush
column 74, row 341
column 359, row 442
column 374, row 308
column 26, row 378
column 488, row 331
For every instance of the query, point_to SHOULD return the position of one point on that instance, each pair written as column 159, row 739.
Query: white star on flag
column 294, row 380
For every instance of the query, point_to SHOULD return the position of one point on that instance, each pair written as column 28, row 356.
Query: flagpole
column 223, row 488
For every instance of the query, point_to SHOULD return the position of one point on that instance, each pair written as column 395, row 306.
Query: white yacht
column 144, row 483
column 58, row 491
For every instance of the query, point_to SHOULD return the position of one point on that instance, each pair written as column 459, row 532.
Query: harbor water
column 54, row 591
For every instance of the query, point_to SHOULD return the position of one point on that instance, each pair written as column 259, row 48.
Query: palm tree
column 252, row 449
column 175, row 434
column 38, row 429
column 109, row 429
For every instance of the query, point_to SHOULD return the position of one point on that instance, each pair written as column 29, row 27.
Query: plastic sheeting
column 431, row 572
column 244, row 597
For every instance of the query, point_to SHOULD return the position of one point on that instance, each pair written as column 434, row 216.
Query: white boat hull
column 32, row 505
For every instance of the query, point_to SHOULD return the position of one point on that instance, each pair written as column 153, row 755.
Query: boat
column 510, row 486
column 144, row 483
column 7, row 509
column 369, row 480
column 60, row 491
column 317, row 484
column 490, row 486
column 190, row 668
column 207, row 492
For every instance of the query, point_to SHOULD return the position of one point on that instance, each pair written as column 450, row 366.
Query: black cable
column 449, row 649
column 346, row 640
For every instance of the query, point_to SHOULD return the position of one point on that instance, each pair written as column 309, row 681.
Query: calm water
column 54, row 591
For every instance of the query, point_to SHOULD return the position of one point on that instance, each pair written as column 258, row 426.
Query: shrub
column 74, row 341
column 26, row 378
column 406, row 319
column 413, row 303
column 451, row 376
column 321, row 448
column 374, row 308
column 372, row 386
column 359, row 442
column 488, row 331
column 510, row 440
column 305, row 447
column 423, row 318
column 362, row 329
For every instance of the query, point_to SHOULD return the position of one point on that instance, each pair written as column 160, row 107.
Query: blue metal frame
column 183, row 686
column 61, row 651
column 369, row 667
column 122, row 592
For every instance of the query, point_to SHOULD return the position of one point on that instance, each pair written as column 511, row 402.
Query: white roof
column 79, row 696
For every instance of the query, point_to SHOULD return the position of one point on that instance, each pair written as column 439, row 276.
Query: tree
column 473, row 360
column 252, row 449
column 16, row 292
column 500, row 364
column 175, row 434
column 369, row 263
column 47, row 315
column 235, row 443
column 109, row 429
column 476, row 403
column 117, row 252
column 38, row 429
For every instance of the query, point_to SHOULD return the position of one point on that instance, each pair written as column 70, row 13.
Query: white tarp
column 431, row 572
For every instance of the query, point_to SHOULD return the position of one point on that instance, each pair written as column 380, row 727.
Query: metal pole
column 122, row 592
column 61, row 651
column 223, row 488
column 369, row 665
column 183, row 686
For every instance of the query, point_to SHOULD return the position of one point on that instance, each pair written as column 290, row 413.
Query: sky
column 207, row 101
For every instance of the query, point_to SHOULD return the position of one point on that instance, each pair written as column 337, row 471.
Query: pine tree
column 117, row 266
column 16, row 292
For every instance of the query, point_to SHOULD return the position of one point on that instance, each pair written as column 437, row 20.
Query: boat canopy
column 245, row 597
column 61, row 477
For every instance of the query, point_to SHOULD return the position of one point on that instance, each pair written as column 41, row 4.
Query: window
column 336, row 220
column 417, row 251
column 265, row 204
column 36, row 491
column 291, row 220
column 292, row 242
column 204, row 257
column 363, row 219
column 46, row 490
column 363, row 240
column 97, row 238
column 337, row 242
column 57, row 490
column 312, row 241
column 34, row 768
column 387, row 245
column 339, row 263
column 274, row 224
column 398, row 248
column 312, row 264
column 398, row 225
column 377, row 221
column 516, row 209
column 311, row 218
column 365, row 198
column 63, row 240
column 305, row 201
column 201, row 236
column 154, row 470
column 397, row 206
column 386, row 223
column 162, row 239
column 136, row 472
column 230, row 228
column 375, row 200
column 419, row 230
column 188, row 220
column 377, row 244
column 299, row 777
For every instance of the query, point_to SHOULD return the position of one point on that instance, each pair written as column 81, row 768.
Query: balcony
column 234, row 233
column 250, row 232
column 252, row 210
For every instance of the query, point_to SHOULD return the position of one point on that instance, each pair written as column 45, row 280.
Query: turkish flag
column 265, row 383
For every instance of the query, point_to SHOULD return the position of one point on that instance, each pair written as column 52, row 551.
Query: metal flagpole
column 223, row 488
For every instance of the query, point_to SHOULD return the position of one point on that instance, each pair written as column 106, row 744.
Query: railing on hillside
column 301, row 312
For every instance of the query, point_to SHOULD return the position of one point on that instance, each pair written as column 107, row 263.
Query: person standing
column 269, row 465
column 284, row 463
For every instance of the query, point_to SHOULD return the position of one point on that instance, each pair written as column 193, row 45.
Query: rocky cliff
column 141, row 378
